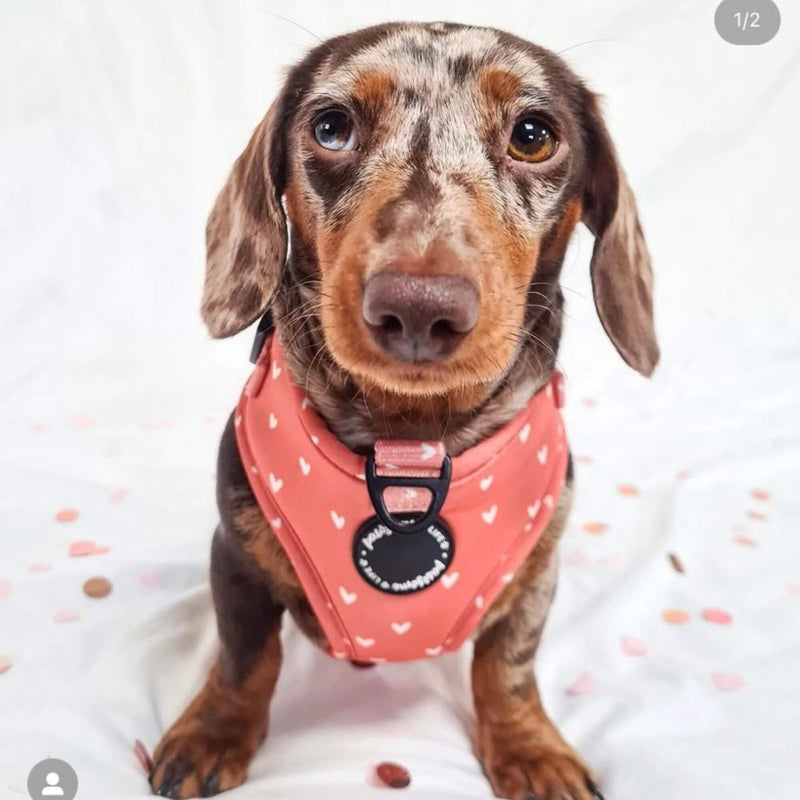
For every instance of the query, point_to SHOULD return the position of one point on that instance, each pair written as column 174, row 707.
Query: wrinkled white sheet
column 119, row 121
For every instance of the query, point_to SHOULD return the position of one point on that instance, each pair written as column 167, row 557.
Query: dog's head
column 432, row 175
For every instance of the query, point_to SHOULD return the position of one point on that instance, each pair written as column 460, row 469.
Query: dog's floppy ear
column 622, row 278
column 246, row 234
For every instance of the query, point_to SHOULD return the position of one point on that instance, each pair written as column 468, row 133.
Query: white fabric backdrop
column 119, row 122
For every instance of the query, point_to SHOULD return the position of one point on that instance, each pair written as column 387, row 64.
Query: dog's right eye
column 333, row 130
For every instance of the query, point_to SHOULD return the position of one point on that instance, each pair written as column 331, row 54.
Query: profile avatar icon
column 52, row 789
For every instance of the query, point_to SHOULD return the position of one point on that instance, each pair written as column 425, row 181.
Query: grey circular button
column 747, row 21
column 52, row 778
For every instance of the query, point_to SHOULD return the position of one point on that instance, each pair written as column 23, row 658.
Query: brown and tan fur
column 428, row 191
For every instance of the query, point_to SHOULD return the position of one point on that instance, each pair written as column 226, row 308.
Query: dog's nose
column 416, row 317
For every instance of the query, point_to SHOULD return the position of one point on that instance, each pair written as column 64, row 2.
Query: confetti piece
column 82, row 422
column 39, row 567
column 5, row 589
column 585, row 684
column 677, row 564
column 38, row 427
column 727, row 681
column 67, row 515
column 151, row 577
column 66, row 616
column 793, row 588
column 5, row 665
column 589, row 402
column 576, row 557
column 584, row 459
column 674, row 616
column 97, row 588
column 746, row 541
column 757, row 515
column 717, row 616
column 628, row 490
column 633, row 647
column 116, row 496
column 86, row 547
column 610, row 562
column 760, row 494
column 595, row 528
column 393, row 775
column 142, row 756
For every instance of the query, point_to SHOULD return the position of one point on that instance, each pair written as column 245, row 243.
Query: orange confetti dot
column 759, row 494
column 628, row 490
column 5, row 665
column 674, row 616
column 595, row 528
column 67, row 515
column 757, row 515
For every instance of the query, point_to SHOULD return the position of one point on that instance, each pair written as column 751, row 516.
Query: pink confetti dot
column 5, row 589
column 585, row 684
column 576, row 557
column 584, row 459
column 589, row 402
column 39, row 567
column 628, row 490
column 86, row 547
column 757, row 515
column 82, row 422
column 116, row 496
column 633, row 647
column 717, row 616
column 151, row 578
column 67, row 515
column 727, row 681
column 793, row 588
column 38, row 427
column 746, row 541
column 5, row 665
column 62, row 617
column 760, row 494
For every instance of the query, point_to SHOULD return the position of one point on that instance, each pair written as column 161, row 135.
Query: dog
column 403, row 211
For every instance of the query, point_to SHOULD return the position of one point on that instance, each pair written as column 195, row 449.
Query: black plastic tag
column 400, row 562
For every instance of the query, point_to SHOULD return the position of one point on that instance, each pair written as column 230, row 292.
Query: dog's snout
column 418, row 317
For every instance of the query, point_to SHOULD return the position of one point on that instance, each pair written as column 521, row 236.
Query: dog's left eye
column 333, row 130
column 532, row 140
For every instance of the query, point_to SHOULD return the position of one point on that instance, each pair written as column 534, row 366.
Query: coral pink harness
column 401, row 553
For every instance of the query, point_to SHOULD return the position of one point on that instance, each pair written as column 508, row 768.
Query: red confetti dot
column 628, row 490
column 67, row 515
column 393, row 775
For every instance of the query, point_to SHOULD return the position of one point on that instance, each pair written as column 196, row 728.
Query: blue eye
column 333, row 130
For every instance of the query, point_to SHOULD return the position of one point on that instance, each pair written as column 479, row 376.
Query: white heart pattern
column 364, row 642
column 315, row 439
column 534, row 509
column 486, row 482
column 305, row 467
column 433, row 651
column 348, row 597
column 305, row 404
column 525, row 432
column 548, row 500
column 237, row 420
column 273, row 421
column 479, row 601
column 428, row 451
column 276, row 484
column 449, row 580
column 338, row 520
column 276, row 523
column 276, row 371
column 401, row 628
column 541, row 454
column 489, row 516
column 508, row 577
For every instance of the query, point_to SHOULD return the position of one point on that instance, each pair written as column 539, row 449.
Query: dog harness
column 403, row 551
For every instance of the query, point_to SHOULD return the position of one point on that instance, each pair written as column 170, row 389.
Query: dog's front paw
column 522, row 768
column 192, row 763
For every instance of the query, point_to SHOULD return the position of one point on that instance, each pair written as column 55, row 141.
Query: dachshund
column 403, row 211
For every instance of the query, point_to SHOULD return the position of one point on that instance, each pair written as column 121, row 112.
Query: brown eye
column 333, row 130
column 532, row 141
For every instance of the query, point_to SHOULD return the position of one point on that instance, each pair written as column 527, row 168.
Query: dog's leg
column 209, row 748
column 523, row 754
